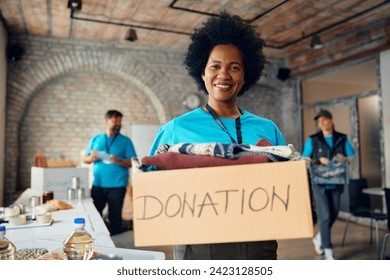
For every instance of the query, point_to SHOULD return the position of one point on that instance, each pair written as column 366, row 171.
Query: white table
column 63, row 225
column 377, row 192
column 53, row 236
column 374, row 191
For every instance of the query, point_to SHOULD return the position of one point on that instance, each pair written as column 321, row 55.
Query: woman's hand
column 308, row 160
column 324, row 161
column 339, row 158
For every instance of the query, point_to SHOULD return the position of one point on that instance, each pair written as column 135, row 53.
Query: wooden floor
column 357, row 246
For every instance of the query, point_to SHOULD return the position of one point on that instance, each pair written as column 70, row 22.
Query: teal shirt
column 199, row 126
column 110, row 175
column 308, row 148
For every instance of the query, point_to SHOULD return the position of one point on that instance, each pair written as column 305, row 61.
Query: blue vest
column 321, row 148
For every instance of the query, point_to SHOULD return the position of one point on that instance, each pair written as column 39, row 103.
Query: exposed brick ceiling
column 349, row 29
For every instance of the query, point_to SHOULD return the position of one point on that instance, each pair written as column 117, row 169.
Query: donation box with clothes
column 235, row 203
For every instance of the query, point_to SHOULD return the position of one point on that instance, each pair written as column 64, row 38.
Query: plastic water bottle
column 7, row 248
column 79, row 245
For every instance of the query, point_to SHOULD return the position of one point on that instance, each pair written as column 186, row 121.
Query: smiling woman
column 224, row 75
column 225, row 59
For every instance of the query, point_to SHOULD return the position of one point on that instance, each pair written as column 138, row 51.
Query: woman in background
column 325, row 146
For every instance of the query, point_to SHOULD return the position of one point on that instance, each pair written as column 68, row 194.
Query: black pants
column 259, row 250
column 114, row 197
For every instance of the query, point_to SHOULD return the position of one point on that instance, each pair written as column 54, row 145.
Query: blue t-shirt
column 199, row 126
column 107, row 174
column 308, row 148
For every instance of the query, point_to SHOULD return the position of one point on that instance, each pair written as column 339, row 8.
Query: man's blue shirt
column 107, row 174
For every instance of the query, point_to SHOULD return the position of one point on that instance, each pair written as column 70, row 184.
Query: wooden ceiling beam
column 298, row 72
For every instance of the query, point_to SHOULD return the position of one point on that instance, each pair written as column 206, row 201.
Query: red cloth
column 171, row 160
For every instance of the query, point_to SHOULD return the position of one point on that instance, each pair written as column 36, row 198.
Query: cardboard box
column 58, row 180
column 222, row 204
column 60, row 163
column 44, row 161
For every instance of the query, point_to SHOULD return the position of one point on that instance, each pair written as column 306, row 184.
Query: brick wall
column 58, row 92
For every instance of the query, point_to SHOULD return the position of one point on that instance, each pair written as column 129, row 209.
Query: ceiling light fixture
column 131, row 35
column 316, row 42
column 75, row 4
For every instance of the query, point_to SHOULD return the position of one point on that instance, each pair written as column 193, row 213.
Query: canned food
column 35, row 201
column 75, row 183
column 80, row 194
column 22, row 208
column 71, row 194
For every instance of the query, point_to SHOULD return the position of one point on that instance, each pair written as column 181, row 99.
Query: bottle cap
column 2, row 228
column 79, row 221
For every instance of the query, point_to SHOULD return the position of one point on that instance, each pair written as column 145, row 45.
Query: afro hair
column 226, row 30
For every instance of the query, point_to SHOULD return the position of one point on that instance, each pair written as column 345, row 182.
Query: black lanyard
column 108, row 147
column 219, row 122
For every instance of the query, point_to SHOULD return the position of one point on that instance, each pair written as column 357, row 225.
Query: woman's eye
column 214, row 66
column 235, row 68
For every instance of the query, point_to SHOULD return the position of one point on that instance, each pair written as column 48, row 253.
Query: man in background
column 111, row 154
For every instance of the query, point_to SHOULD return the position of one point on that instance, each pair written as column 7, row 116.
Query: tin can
column 80, row 194
column 71, row 194
column 22, row 208
column 75, row 183
column 34, row 201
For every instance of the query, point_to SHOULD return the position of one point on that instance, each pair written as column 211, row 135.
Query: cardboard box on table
column 222, row 204
column 58, row 180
